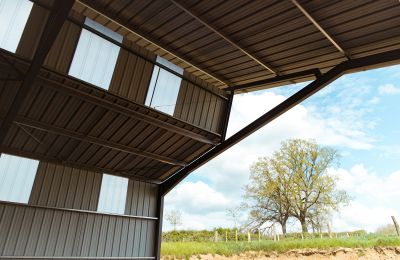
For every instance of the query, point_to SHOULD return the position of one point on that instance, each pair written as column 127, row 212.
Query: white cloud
column 389, row 89
column 203, row 207
column 374, row 198
column 197, row 197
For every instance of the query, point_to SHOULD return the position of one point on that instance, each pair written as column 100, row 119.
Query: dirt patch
column 310, row 254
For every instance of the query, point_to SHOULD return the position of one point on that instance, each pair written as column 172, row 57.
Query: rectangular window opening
column 113, row 194
column 13, row 17
column 17, row 175
column 164, row 87
column 95, row 58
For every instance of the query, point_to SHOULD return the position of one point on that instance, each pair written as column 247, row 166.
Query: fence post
column 236, row 235
column 259, row 235
column 216, row 236
column 226, row 236
column 396, row 225
column 330, row 230
column 248, row 236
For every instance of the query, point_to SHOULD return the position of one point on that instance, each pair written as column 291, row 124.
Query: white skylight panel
column 95, row 58
column 17, row 175
column 13, row 17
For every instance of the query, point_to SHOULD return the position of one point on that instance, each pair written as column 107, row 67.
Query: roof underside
column 225, row 42
column 230, row 43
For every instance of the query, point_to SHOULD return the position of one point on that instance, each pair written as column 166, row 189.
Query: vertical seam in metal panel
column 18, row 233
column 8, row 231
column 28, row 235
column 42, row 180
column 69, row 174
column 50, row 228
column 35, row 184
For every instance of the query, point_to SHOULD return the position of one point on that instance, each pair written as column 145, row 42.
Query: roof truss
column 319, row 27
column 225, row 37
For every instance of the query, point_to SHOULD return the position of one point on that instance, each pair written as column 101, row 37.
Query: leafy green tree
column 267, row 194
column 294, row 182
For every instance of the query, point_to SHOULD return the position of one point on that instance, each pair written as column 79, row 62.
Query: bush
column 206, row 235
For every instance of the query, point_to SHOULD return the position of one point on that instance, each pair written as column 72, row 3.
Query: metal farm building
column 106, row 105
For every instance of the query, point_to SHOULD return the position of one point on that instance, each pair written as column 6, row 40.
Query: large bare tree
column 294, row 182
column 174, row 217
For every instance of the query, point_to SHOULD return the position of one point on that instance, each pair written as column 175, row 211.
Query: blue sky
column 357, row 115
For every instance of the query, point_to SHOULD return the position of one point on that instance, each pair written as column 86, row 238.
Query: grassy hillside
column 186, row 249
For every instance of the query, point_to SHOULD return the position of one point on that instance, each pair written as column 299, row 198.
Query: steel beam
column 75, row 164
column 292, row 76
column 319, row 27
column 227, row 116
column 101, row 102
column 225, row 37
column 30, row 123
column 349, row 66
column 158, row 229
column 57, row 17
column 144, row 35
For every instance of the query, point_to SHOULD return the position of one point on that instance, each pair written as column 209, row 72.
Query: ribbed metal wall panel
column 132, row 73
column 32, row 32
column 142, row 201
column 65, row 187
column 62, row 51
column 200, row 107
column 50, row 232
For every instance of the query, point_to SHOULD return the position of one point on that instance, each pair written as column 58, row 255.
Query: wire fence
column 233, row 235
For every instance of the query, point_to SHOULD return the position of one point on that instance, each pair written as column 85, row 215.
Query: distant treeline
column 223, row 234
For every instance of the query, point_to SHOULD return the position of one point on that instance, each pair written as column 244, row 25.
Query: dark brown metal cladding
column 276, row 32
column 54, row 182
column 66, row 226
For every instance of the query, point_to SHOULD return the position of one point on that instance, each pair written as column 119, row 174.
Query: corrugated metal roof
column 219, row 43
column 276, row 33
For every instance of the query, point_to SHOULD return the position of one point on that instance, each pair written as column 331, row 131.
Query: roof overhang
column 235, row 43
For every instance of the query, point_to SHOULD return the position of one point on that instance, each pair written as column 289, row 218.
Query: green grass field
column 186, row 249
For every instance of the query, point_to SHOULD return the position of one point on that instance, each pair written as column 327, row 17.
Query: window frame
column 84, row 63
column 156, row 87
column 107, row 189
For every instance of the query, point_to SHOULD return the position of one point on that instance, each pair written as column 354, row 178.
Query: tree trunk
column 303, row 226
column 396, row 225
column 283, row 228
